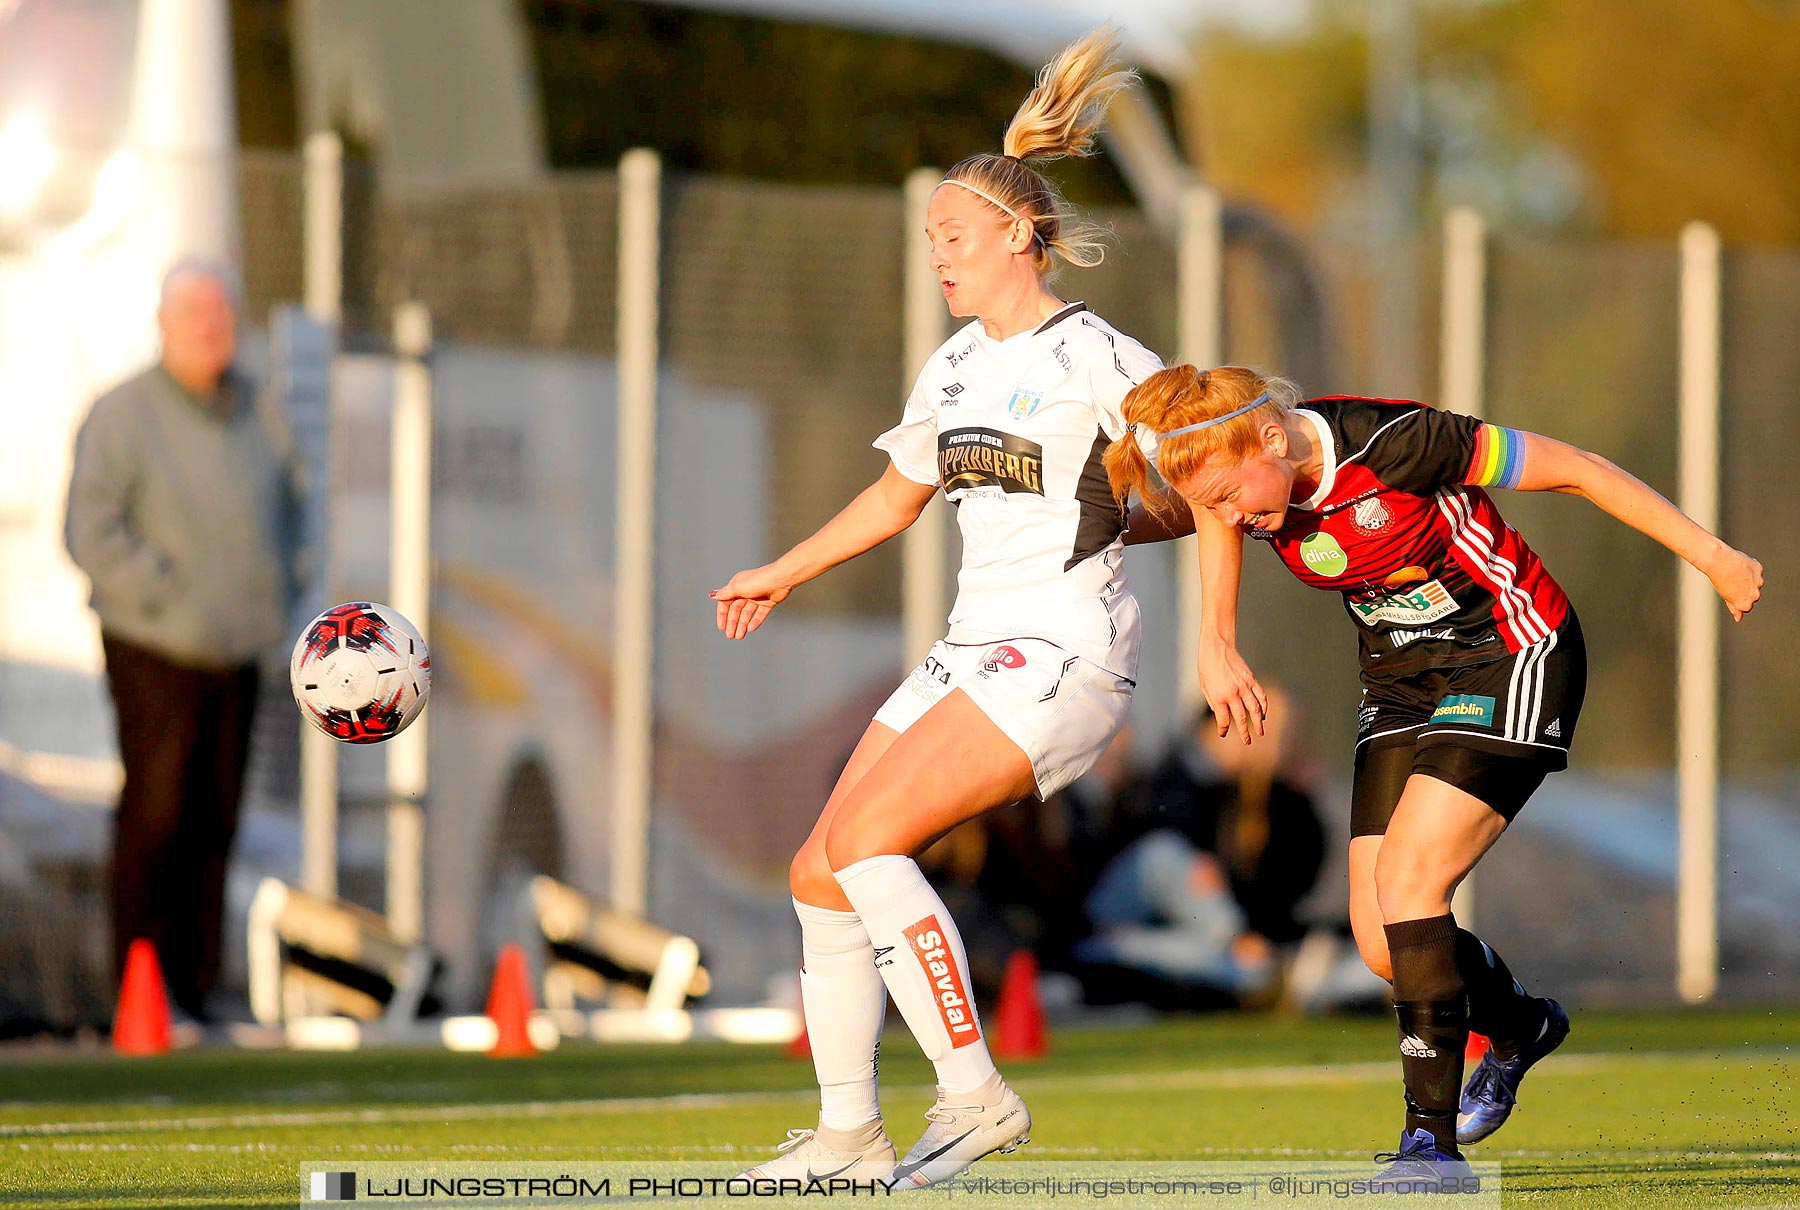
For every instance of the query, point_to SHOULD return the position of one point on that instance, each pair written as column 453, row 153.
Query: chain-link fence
column 782, row 357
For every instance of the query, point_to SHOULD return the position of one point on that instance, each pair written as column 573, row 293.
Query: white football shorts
column 1060, row 709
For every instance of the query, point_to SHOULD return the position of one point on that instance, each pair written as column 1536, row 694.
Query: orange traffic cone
column 1475, row 1049
column 141, row 1024
column 510, row 1004
column 1019, row 1031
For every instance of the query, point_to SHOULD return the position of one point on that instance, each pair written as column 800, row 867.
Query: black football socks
column 1499, row 1009
column 1433, row 1011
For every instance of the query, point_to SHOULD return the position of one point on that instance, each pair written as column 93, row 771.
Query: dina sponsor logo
column 1473, row 709
column 1322, row 554
column 981, row 457
column 1429, row 602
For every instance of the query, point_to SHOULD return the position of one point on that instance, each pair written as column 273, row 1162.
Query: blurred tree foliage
column 1677, row 110
column 1645, row 113
column 745, row 96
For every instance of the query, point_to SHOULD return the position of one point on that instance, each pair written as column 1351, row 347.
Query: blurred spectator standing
column 184, row 513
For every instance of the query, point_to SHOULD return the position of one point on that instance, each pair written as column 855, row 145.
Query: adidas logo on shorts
column 1554, row 730
column 1415, row 1048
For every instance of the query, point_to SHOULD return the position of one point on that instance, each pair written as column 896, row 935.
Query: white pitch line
column 1200, row 1078
column 1036, row 1154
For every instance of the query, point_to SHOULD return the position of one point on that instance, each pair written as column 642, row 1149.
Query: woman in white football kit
column 1010, row 418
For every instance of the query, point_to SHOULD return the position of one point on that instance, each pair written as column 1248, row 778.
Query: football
column 360, row 672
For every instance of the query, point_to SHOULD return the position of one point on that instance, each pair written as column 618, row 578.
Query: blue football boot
column 1493, row 1087
column 1419, row 1167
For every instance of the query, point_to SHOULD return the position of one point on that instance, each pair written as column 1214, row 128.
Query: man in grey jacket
column 184, row 511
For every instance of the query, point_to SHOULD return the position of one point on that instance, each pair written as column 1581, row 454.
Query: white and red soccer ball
column 360, row 672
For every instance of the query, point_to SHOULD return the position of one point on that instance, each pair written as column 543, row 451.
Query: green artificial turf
column 1638, row 1110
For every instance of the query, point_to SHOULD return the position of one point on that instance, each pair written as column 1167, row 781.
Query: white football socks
column 920, row 954
column 845, row 1002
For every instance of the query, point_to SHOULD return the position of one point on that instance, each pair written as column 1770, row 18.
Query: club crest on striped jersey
column 1372, row 516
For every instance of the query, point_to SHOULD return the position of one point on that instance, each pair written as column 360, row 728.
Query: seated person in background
column 1250, row 810
column 1222, row 847
column 1019, row 873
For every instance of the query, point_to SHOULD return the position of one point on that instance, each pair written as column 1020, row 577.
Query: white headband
column 1206, row 424
column 985, row 196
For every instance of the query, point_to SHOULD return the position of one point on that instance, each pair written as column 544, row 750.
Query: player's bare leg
column 950, row 766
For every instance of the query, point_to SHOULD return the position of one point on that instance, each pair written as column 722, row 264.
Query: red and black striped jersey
column 1431, row 573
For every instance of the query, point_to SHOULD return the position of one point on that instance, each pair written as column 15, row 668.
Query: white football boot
column 993, row 1118
column 824, row 1154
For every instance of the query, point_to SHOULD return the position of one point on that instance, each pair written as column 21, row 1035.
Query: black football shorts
column 1494, row 730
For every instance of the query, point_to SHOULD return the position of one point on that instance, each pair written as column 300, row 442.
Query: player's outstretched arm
column 1230, row 687
column 1556, row 466
column 880, row 511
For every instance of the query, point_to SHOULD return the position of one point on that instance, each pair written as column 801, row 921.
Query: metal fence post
column 1200, row 338
column 924, row 547
column 1697, row 676
column 409, row 591
column 1461, row 372
column 322, row 237
column 640, row 220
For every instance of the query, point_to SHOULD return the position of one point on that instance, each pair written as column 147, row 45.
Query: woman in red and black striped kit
column 1473, row 668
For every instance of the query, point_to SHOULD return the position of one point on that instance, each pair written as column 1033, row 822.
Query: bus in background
column 118, row 153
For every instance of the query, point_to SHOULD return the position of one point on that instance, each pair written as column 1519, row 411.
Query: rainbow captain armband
column 1499, row 457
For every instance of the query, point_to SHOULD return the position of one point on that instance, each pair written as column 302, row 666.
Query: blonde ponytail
column 1062, row 114
column 1060, row 117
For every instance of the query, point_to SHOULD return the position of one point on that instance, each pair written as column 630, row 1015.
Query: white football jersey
column 1013, row 430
